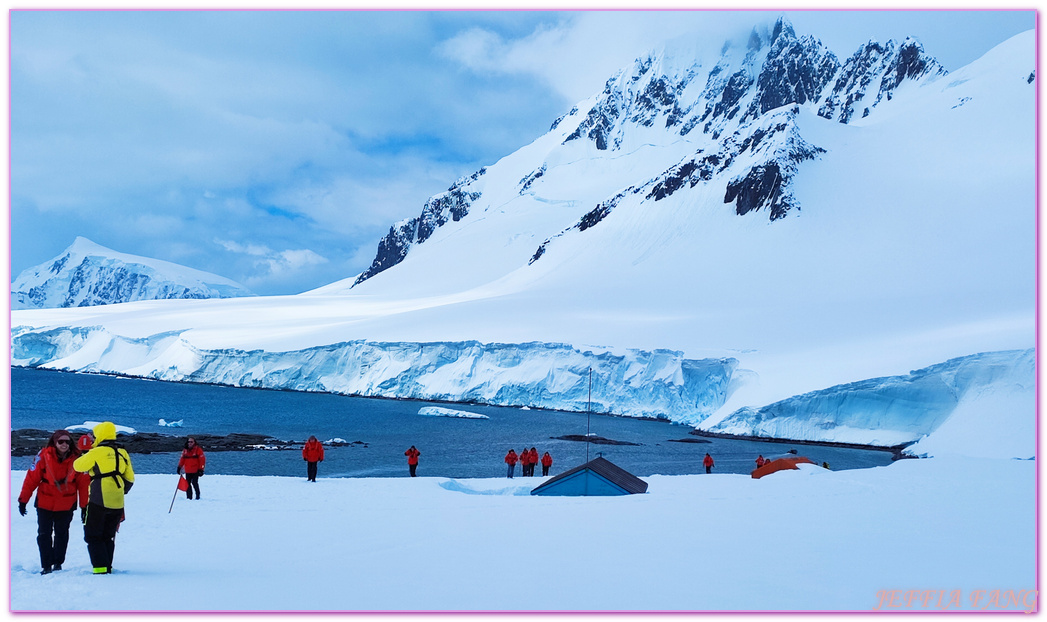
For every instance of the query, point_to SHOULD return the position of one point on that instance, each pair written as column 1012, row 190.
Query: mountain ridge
column 89, row 274
column 747, row 105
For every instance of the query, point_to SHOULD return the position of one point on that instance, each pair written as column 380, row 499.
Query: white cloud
column 274, row 264
column 577, row 55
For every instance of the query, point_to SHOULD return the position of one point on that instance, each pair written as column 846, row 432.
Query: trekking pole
column 180, row 488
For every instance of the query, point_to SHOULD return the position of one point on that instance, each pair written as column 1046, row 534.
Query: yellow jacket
column 109, row 468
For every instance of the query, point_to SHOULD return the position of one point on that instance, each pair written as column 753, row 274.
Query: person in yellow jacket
column 111, row 474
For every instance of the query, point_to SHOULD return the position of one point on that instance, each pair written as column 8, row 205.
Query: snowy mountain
column 732, row 127
column 87, row 274
column 807, row 230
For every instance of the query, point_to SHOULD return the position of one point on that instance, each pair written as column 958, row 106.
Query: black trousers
column 52, row 536
column 311, row 471
column 412, row 468
column 545, row 470
column 100, row 534
column 194, row 484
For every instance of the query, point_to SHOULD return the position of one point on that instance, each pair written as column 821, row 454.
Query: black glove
column 178, row 470
column 83, row 515
column 200, row 473
column 21, row 508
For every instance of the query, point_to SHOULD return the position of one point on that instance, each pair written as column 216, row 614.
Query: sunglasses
column 64, row 441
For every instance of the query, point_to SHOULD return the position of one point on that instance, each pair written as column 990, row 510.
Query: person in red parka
column 532, row 457
column 58, row 488
column 192, row 461
column 708, row 462
column 511, row 459
column 760, row 461
column 312, row 453
column 412, row 459
column 547, row 461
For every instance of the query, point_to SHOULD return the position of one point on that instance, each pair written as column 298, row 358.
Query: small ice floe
column 171, row 424
column 89, row 426
column 336, row 441
column 265, row 447
column 436, row 411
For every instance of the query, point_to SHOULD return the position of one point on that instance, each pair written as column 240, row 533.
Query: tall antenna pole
column 589, row 414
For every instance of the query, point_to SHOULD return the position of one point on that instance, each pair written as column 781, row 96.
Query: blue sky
column 277, row 147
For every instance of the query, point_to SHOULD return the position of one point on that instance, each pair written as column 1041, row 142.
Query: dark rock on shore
column 894, row 450
column 595, row 440
column 28, row 442
column 688, row 440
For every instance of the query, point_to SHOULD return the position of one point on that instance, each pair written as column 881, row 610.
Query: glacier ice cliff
column 990, row 391
column 660, row 384
column 896, row 410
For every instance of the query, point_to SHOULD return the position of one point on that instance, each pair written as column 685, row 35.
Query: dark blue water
column 451, row 447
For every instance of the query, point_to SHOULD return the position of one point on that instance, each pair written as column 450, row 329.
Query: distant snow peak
column 734, row 118
column 88, row 274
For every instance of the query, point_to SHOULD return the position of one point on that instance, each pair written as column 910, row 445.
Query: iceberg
column 170, row 424
column 89, row 426
column 436, row 411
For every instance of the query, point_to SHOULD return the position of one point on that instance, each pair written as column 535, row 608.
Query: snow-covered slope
column 985, row 398
column 87, row 274
column 670, row 124
column 819, row 221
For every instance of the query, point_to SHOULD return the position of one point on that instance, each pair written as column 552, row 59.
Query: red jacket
column 192, row 460
column 313, row 451
column 532, row 456
column 412, row 455
column 547, row 460
column 708, row 461
column 511, row 457
column 56, row 484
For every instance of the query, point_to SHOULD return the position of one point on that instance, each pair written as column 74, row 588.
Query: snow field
column 800, row 540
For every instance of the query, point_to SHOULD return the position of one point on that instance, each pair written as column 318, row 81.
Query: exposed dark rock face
column 597, row 125
column 883, row 67
column 589, row 220
column 795, row 72
column 674, row 179
column 526, row 182
column 453, row 205
column 392, row 248
column 761, row 187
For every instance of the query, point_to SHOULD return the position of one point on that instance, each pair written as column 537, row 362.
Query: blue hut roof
column 599, row 477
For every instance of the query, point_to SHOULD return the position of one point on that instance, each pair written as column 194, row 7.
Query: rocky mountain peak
column 738, row 115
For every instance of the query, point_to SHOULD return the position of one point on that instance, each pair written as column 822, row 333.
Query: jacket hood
column 60, row 434
column 105, row 431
